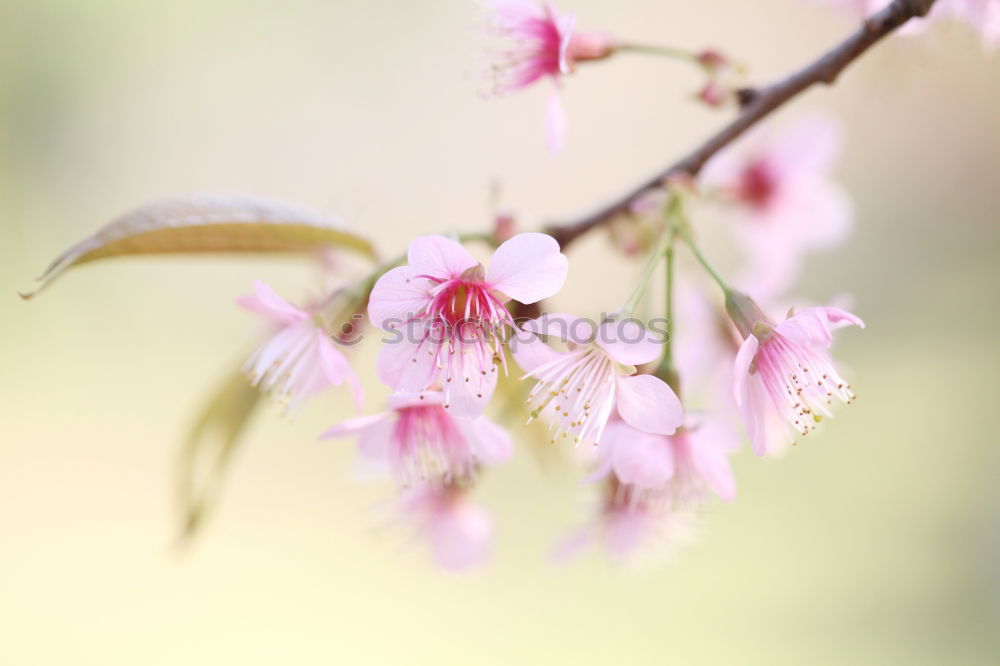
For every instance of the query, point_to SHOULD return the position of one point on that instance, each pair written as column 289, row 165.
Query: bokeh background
column 878, row 542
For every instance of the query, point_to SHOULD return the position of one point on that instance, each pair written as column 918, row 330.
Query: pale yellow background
column 875, row 543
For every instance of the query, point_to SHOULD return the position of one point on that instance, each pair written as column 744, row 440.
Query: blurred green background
column 876, row 543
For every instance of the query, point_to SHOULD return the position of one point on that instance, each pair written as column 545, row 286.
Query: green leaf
column 210, row 223
column 208, row 451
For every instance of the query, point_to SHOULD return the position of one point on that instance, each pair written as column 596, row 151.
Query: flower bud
column 746, row 314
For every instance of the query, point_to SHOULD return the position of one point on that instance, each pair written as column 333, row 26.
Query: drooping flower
column 630, row 526
column 579, row 389
column 785, row 381
column 680, row 468
column 448, row 314
column 542, row 44
column 782, row 202
column 459, row 532
column 983, row 16
column 418, row 439
column 299, row 360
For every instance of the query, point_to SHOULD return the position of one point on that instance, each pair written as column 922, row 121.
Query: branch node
column 746, row 96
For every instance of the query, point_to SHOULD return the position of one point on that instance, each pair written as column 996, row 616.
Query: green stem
column 686, row 235
column 647, row 272
column 665, row 370
column 663, row 51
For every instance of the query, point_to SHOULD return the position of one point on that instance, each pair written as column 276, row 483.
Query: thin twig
column 756, row 104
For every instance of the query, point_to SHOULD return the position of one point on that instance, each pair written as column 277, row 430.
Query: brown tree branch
column 756, row 104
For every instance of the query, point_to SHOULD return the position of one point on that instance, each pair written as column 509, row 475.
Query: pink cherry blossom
column 459, row 532
column 543, row 44
column 782, row 202
column 630, row 526
column 983, row 16
column 681, row 467
column 448, row 314
column 418, row 439
column 299, row 360
column 578, row 390
column 785, row 380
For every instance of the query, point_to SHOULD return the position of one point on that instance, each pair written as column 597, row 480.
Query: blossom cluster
column 601, row 387
column 451, row 334
column 652, row 416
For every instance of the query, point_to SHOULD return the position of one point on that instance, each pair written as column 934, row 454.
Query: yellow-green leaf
column 206, row 455
column 210, row 223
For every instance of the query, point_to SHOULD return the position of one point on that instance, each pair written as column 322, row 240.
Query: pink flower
column 783, row 202
column 458, row 532
column 542, row 45
column 680, row 467
column 784, row 375
column 449, row 317
column 299, row 360
column 982, row 16
column 629, row 525
column 578, row 390
column 417, row 439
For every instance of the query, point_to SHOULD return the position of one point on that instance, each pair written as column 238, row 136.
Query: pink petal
column 336, row 368
column 491, row 443
column 648, row 404
column 405, row 365
column 354, row 425
column 264, row 301
column 568, row 328
column 397, row 297
column 709, row 445
column 824, row 212
column 469, row 398
column 528, row 267
column 399, row 400
column 555, row 123
column 460, row 536
column 376, row 443
column 530, row 352
column 628, row 342
column 438, row 257
column 637, row 457
column 808, row 147
column 814, row 326
column 741, row 368
column 564, row 25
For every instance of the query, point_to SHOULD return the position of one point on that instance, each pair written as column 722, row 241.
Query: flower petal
column 741, row 368
column 460, row 535
column 555, row 123
column 648, row 404
column 710, row 443
column 264, row 301
column 491, row 443
column 530, row 352
column 337, row 369
column 407, row 365
column 637, row 457
column 353, row 426
column 397, row 297
column 528, row 268
column 628, row 342
column 438, row 257
column 471, row 386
